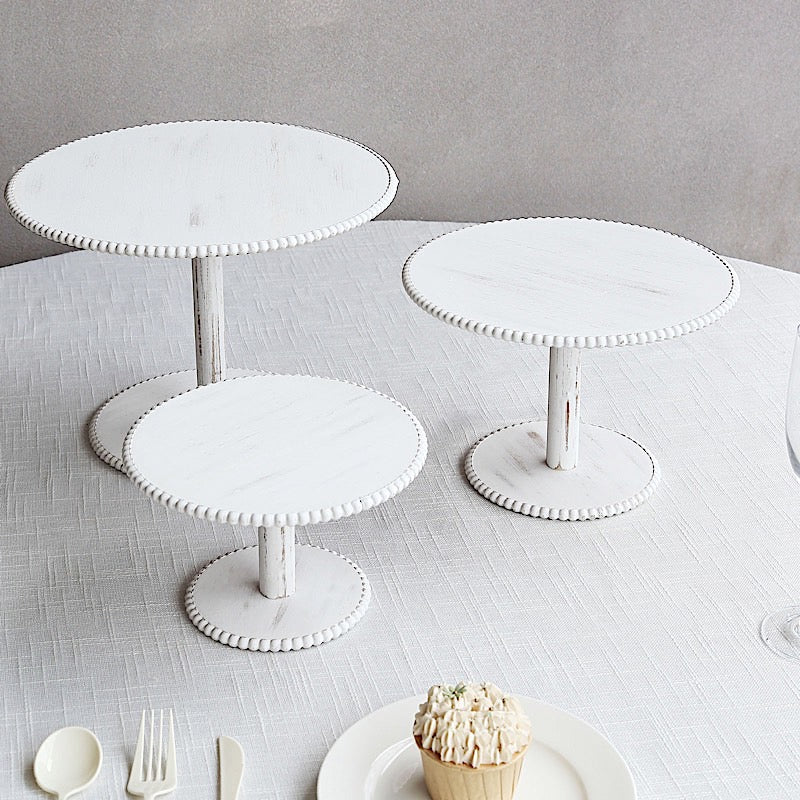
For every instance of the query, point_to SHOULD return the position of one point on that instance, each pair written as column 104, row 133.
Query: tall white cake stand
column 567, row 284
column 275, row 452
column 196, row 190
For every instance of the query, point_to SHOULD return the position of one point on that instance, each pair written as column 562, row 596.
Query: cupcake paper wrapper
column 446, row 781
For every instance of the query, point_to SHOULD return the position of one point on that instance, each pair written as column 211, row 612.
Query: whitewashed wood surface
column 209, row 320
column 201, row 188
column 613, row 475
column 275, row 450
column 276, row 561
column 563, row 408
column 227, row 604
column 570, row 282
column 110, row 424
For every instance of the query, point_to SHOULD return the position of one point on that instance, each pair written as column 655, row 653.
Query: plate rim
column 329, row 775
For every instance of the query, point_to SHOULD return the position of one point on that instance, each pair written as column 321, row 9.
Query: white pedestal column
column 209, row 319
column 563, row 408
column 533, row 467
column 276, row 561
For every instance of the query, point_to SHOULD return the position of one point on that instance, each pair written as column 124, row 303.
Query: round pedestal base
column 614, row 473
column 780, row 631
column 111, row 422
column 224, row 602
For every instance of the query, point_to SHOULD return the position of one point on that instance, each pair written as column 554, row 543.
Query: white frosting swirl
column 472, row 724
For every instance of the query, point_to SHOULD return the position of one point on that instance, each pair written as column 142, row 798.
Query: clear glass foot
column 780, row 631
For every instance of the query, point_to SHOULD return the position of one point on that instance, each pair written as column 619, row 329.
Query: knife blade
column 231, row 767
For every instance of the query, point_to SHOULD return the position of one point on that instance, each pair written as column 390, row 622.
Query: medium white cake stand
column 567, row 284
column 196, row 190
column 275, row 452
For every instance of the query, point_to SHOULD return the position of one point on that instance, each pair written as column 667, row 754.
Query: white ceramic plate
column 376, row 759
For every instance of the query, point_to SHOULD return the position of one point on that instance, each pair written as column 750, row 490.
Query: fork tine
column 159, row 763
column 171, row 772
column 137, row 767
column 149, row 776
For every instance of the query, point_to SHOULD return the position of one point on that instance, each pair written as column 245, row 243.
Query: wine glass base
column 780, row 631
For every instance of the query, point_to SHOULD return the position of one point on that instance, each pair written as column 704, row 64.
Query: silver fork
column 158, row 775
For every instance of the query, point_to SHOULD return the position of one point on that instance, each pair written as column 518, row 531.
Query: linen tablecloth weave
column 645, row 625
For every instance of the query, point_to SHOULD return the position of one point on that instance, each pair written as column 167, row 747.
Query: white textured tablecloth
column 645, row 625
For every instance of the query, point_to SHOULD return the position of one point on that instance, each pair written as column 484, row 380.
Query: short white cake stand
column 567, row 284
column 196, row 190
column 275, row 452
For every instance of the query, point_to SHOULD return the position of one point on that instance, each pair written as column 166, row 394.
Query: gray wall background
column 679, row 115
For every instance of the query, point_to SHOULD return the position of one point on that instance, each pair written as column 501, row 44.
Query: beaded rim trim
column 304, row 517
column 551, row 340
column 278, row 645
column 207, row 250
column 555, row 513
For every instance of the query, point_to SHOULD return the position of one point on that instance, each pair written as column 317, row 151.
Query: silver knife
column 231, row 767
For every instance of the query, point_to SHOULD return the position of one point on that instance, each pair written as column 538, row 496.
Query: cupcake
column 472, row 739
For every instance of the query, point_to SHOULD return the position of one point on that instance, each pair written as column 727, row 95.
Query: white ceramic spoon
column 67, row 762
